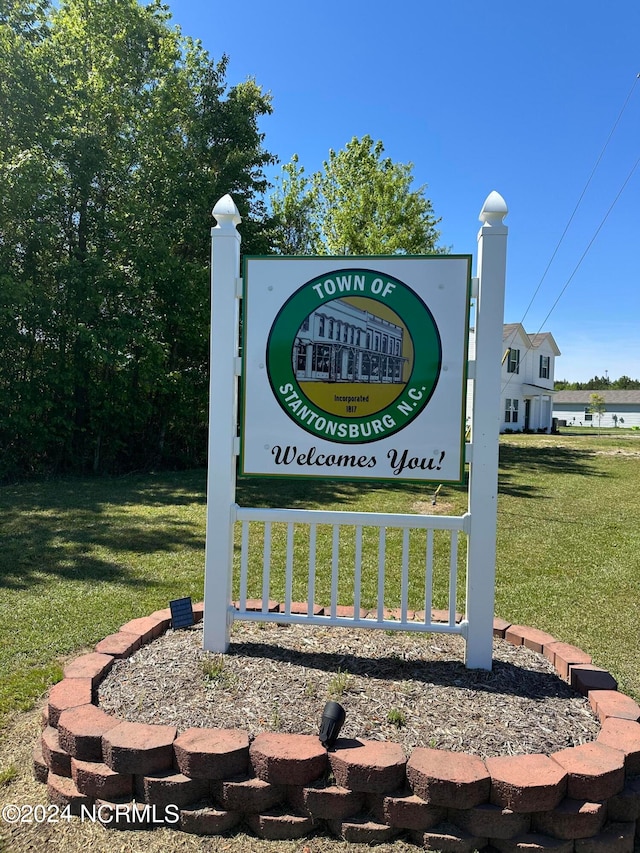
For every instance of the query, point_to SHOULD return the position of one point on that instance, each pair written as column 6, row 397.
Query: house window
column 321, row 327
column 588, row 415
column 511, row 411
column 513, row 365
column 544, row 366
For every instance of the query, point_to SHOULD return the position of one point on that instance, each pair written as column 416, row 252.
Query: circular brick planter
column 284, row 786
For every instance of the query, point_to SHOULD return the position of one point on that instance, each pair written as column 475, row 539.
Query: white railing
column 324, row 556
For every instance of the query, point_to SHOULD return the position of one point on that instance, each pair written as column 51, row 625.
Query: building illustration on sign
column 342, row 342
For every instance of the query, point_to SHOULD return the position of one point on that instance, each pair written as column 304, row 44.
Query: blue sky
column 509, row 96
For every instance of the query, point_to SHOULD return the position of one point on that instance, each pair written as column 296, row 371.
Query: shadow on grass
column 504, row 678
column 317, row 493
column 520, row 464
column 60, row 527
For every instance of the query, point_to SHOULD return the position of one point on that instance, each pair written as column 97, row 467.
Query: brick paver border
column 281, row 786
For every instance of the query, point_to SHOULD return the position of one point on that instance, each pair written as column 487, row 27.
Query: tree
column 598, row 383
column 121, row 134
column 597, row 406
column 360, row 203
column 293, row 209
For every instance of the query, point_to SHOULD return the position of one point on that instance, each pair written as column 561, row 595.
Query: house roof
column 510, row 330
column 610, row 397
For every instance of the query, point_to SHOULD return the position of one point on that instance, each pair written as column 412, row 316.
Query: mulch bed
column 409, row 688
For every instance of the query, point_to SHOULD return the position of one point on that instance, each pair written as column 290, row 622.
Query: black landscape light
column 333, row 717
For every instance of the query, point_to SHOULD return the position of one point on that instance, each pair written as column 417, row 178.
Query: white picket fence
column 390, row 573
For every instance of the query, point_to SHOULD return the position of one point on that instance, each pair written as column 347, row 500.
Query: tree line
column 599, row 383
column 119, row 135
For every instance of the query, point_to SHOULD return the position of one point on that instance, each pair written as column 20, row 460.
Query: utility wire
column 590, row 243
column 582, row 195
column 570, row 220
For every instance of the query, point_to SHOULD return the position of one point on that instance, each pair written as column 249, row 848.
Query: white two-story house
column 526, row 391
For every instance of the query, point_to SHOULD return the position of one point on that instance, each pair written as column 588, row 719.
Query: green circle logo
column 353, row 356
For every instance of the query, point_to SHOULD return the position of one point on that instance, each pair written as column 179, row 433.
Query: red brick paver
column 532, row 638
column 450, row 779
column 625, row 736
column 324, row 802
column 205, row 820
column 280, row 826
column 563, row 656
column 97, row 780
column 80, row 731
column 572, row 819
column 625, row 806
column 40, row 766
column 362, row 830
column 375, row 767
column 169, row 788
column 248, row 796
column 62, row 792
column 163, row 617
column 119, row 645
column 287, row 759
column 406, row 811
column 447, row 838
column 614, row 838
column 500, row 627
column 594, row 771
column 145, row 627
column 526, row 783
column 585, row 677
column 489, row 821
column 138, row 748
column 610, row 703
column 212, row 753
column 532, row 842
column 93, row 665
column 68, row 693
column 56, row 758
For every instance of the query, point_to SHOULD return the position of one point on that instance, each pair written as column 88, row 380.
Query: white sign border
column 263, row 420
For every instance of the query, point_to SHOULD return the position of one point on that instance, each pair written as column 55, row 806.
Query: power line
column 590, row 243
column 582, row 195
column 570, row 220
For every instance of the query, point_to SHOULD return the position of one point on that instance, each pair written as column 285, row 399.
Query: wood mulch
column 410, row 688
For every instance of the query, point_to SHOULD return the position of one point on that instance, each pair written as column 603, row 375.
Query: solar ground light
column 333, row 717
column 181, row 613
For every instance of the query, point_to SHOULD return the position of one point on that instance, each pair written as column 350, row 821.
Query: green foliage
column 120, row 135
column 599, row 383
column 360, row 203
column 339, row 684
column 397, row 717
column 8, row 774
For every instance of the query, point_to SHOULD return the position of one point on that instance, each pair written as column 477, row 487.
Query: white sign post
column 223, row 419
column 485, row 429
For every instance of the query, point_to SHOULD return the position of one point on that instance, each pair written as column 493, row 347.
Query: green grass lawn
column 80, row 557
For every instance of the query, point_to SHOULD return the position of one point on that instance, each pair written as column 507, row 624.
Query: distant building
column 528, row 367
column 571, row 408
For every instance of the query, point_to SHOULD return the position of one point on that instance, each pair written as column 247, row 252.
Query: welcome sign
column 355, row 367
